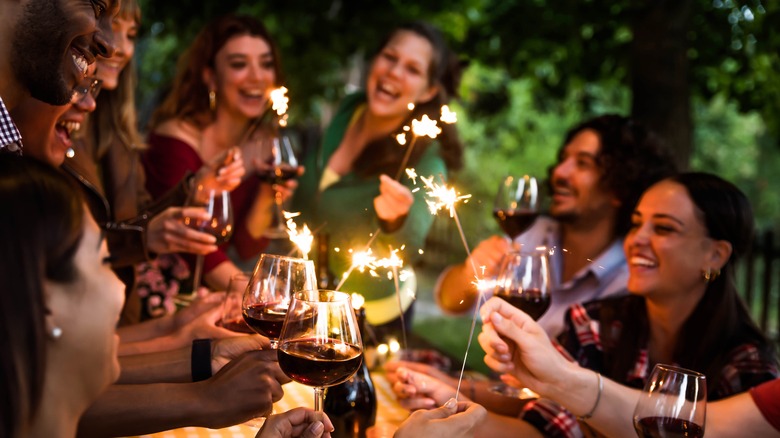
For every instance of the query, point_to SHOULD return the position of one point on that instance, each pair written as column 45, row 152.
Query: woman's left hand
column 394, row 200
column 298, row 422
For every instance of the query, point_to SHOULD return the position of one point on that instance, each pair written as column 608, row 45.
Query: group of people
column 95, row 209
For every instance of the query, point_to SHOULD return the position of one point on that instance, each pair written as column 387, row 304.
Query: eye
column 237, row 65
column 663, row 229
column 108, row 260
column 99, row 8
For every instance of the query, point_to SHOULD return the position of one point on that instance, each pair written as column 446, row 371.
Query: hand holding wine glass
column 281, row 166
column 232, row 316
column 673, row 404
column 217, row 221
column 517, row 204
column 266, row 298
column 320, row 344
column 524, row 281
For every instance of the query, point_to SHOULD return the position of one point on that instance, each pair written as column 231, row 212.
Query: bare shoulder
column 180, row 130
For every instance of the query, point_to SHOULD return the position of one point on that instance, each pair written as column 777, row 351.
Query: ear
column 719, row 254
column 209, row 78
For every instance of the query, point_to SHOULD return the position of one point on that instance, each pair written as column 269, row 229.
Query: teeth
column 641, row 261
column 70, row 126
column 81, row 63
column 254, row 93
column 388, row 90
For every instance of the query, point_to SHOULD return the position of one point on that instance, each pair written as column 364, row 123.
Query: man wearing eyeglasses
column 46, row 48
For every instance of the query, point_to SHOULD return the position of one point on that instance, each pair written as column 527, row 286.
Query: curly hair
column 384, row 155
column 631, row 158
column 188, row 99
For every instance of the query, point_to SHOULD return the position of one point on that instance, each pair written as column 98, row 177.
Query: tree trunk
column 660, row 72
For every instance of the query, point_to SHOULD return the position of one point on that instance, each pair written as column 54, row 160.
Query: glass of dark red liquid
column 282, row 165
column 320, row 344
column 524, row 281
column 673, row 404
column 268, row 293
column 517, row 204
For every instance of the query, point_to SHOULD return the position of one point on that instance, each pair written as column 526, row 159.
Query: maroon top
column 168, row 160
column 767, row 398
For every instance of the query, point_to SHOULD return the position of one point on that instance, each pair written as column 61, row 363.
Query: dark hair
column 384, row 155
column 188, row 98
column 631, row 158
column 40, row 234
column 720, row 322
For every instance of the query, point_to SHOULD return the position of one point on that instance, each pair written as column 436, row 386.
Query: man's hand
column 452, row 420
column 298, row 422
column 226, row 349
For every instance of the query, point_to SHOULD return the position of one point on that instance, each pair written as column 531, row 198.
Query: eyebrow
column 661, row 216
column 232, row 56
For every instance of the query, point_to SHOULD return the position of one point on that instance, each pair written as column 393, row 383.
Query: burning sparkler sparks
column 425, row 126
column 279, row 102
column 302, row 239
column 447, row 116
column 441, row 197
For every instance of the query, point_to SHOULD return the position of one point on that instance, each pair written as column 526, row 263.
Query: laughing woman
column 346, row 189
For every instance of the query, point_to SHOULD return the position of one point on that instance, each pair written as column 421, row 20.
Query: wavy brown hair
column 189, row 98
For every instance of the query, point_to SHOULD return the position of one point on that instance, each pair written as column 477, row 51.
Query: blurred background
column 705, row 74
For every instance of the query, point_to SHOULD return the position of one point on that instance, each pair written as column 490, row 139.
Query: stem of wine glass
column 274, row 344
column 319, row 398
column 196, row 275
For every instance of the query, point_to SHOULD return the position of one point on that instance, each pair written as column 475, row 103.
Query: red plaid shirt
column 581, row 339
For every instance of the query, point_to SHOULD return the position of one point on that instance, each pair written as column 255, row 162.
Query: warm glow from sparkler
column 447, row 116
column 279, row 101
column 410, row 106
column 302, row 239
column 357, row 301
column 401, row 138
column 425, row 126
column 411, row 174
column 441, row 196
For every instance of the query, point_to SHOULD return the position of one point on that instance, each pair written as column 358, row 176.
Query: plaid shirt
column 581, row 339
column 10, row 138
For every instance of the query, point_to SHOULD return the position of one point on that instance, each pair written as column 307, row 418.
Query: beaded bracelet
column 598, row 399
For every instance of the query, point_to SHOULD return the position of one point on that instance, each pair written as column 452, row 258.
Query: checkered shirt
column 10, row 138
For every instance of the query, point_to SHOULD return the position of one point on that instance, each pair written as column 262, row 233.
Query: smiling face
column 577, row 192
column 668, row 246
column 87, row 311
column 243, row 77
column 125, row 31
column 399, row 75
column 55, row 41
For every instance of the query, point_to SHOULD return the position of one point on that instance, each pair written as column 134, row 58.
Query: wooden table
column 296, row 395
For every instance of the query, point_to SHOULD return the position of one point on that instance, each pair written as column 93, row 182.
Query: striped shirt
column 10, row 138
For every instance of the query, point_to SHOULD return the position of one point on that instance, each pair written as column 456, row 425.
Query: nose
column 638, row 235
column 86, row 104
column 562, row 170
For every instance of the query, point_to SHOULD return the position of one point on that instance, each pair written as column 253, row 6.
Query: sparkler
column 279, row 102
column 302, row 239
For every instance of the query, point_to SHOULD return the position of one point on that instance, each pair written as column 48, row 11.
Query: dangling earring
column 56, row 333
column 707, row 273
column 212, row 100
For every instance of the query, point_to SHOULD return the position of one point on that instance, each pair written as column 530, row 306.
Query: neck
column 666, row 316
column 584, row 243
column 222, row 134
column 61, row 406
column 379, row 126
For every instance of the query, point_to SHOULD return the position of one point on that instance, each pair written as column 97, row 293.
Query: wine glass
column 517, row 204
column 673, row 403
column 267, row 295
column 232, row 316
column 218, row 222
column 320, row 344
column 524, row 281
column 282, row 166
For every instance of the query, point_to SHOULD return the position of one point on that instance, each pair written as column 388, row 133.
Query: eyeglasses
column 89, row 85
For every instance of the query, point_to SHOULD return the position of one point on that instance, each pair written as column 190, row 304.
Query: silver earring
column 212, row 100
column 56, row 333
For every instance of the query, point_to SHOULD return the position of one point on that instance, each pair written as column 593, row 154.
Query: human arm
column 243, row 389
column 455, row 291
column 746, row 414
column 392, row 204
column 298, row 422
column 518, row 347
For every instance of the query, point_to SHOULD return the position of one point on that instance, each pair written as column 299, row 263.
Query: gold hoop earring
column 707, row 274
column 212, row 100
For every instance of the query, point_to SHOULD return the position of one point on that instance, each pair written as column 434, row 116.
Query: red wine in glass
column 667, row 427
column 515, row 222
column 278, row 174
column 221, row 228
column 531, row 301
column 266, row 319
column 316, row 362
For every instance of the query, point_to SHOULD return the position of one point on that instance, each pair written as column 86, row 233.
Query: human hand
column 245, row 388
column 223, row 172
column 166, row 232
column 394, row 200
column 205, row 301
column 416, row 390
column 226, row 349
column 298, row 422
column 488, row 254
column 201, row 322
column 453, row 420
column 517, row 346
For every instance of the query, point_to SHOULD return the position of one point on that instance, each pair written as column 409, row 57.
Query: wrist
column 200, row 359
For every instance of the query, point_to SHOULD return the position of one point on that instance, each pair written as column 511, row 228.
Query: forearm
column 125, row 410
column 455, row 291
column 169, row 366
column 499, row 425
column 219, row 277
column 146, row 330
column 260, row 215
